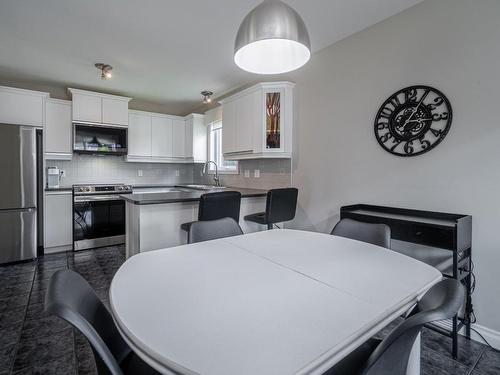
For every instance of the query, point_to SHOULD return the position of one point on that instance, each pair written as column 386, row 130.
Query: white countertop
column 274, row 302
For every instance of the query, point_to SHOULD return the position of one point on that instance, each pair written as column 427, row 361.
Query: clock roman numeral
column 395, row 102
column 386, row 112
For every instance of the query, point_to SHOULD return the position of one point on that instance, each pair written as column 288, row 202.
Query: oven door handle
column 97, row 198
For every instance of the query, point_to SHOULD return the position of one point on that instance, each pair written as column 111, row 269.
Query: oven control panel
column 102, row 189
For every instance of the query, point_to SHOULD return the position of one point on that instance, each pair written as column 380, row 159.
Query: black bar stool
column 215, row 206
column 280, row 206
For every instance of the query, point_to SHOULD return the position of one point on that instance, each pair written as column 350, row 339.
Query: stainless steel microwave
column 99, row 139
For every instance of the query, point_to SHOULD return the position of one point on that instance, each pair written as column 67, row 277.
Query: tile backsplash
column 274, row 173
column 91, row 169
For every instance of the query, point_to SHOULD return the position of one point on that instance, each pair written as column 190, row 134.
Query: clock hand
column 417, row 107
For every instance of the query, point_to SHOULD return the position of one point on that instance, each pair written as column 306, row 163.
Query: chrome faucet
column 216, row 175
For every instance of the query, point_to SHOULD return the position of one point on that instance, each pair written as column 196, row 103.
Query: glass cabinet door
column 273, row 120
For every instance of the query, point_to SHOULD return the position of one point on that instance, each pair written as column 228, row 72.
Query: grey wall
column 453, row 45
column 88, row 169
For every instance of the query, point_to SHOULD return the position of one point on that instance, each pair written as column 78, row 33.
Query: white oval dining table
column 273, row 302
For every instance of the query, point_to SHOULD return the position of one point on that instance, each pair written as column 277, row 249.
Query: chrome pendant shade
column 272, row 39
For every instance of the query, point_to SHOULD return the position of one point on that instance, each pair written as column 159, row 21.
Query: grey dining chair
column 391, row 355
column 376, row 234
column 210, row 230
column 70, row 297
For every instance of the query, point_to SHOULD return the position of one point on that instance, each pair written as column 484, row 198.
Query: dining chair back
column 213, row 229
column 391, row 355
column 376, row 234
column 70, row 297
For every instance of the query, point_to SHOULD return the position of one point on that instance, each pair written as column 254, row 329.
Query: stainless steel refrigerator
column 20, row 188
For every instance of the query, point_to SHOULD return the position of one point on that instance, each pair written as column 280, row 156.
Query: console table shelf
column 442, row 240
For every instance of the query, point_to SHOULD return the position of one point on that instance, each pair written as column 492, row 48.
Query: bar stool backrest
column 281, row 205
column 218, row 205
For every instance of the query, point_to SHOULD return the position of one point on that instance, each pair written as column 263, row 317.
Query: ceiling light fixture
column 105, row 70
column 207, row 96
column 272, row 39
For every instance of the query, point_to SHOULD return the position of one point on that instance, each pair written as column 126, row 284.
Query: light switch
column 177, row 173
column 256, row 173
column 247, row 173
column 139, row 172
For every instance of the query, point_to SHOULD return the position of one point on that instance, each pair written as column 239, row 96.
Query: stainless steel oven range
column 98, row 215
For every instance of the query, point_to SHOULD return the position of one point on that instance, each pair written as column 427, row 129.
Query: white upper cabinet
column 229, row 127
column 139, row 135
column 161, row 137
column 179, row 139
column 22, row 107
column 258, row 122
column 99, row 108
column 114, row 111
column 87, row 108
column 57, row 132
column 247, row 120
column 196, row 138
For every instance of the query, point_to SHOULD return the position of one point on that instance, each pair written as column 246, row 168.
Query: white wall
column 453, row 45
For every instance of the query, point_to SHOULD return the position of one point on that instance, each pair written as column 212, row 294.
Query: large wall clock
column 413, row 121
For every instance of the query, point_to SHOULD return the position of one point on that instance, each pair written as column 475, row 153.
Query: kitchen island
column 153, row 220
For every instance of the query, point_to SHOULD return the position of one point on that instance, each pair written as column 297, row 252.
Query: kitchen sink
column 159, row 190
column 203, row 187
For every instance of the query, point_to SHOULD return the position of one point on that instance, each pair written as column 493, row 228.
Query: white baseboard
column 491, row 335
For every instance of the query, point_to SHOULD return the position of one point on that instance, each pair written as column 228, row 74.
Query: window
column 215, row 150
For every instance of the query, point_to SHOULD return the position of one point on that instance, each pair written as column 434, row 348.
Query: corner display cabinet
column 257, row 122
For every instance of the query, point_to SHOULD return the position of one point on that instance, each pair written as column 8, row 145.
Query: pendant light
column 272, row 39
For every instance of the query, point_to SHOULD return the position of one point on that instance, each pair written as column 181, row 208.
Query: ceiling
column 162, row 51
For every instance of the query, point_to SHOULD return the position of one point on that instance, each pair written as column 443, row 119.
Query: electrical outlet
column 177, row 173
column 256, row 173
column 139, row 172
column 62, row 173
column 247, row 173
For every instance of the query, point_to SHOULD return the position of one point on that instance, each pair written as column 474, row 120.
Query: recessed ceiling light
column 207, row 96
column 106, row 70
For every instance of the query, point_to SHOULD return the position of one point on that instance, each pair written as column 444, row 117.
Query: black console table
column 442, row 240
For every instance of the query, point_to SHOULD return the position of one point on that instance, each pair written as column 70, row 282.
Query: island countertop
column 186, row 196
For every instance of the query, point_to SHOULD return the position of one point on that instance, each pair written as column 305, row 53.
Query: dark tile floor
column 33, row 343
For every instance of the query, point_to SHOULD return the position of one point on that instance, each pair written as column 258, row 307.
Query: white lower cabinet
column 57, row 132
column 58, row 221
